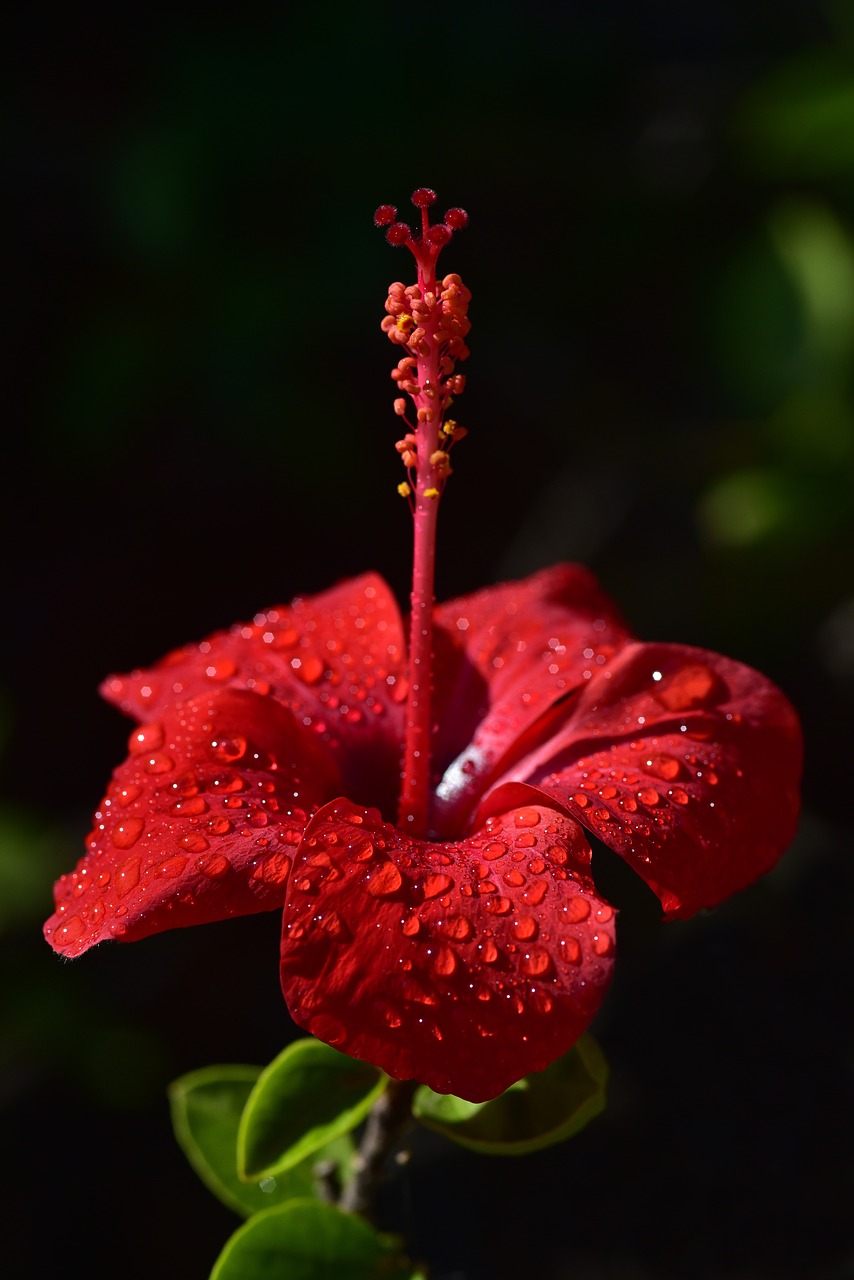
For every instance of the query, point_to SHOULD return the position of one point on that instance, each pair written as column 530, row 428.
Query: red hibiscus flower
column 466, row 945
column 265, row 773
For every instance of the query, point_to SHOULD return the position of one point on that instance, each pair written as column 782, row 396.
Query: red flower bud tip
column 385, row 215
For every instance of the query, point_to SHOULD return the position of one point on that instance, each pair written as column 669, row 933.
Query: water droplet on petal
column 537, row 962
column 148, row 737
column 126, row 833
column 385, row 881
column 460, row 928
column 489, row 953
column 525, row 928
column 411, row 926
column 193, row 842
column 228, row 748
column 157, row 762
column 514, row 878
column 570, row 950
column 678, row 795
column 602, row 944
column 189, row 808
column 648, row 796
column 526, row 818
column 495, row 849
column 214, row 866
column 577, row 909
column 535, row 893
column 444, row 962
column 127, row 876
column 437, row 884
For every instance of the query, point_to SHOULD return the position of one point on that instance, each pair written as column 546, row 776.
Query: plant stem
column 389, row 1117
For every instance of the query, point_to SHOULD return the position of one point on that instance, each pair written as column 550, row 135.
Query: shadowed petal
column 463, row 965
column 505, row 656
column 685, row 763
column 199, row 823
column 336, row 660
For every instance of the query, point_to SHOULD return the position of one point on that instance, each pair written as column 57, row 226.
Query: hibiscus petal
column 685, row 763
column 199, row 823
column 336, row 660
column 463, row 965
column 505, row 656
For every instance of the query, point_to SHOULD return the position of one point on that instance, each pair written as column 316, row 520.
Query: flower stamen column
column 429, row 320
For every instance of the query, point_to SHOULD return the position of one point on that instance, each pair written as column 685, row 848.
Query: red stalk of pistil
column 415, row 790
column 432, row 336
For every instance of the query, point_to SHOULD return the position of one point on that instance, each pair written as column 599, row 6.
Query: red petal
column 505, row 656
column 335, row 659
column 199, row 823
column 462, row 965
column 685, row 763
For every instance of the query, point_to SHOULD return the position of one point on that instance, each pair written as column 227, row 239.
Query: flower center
column 429, row 321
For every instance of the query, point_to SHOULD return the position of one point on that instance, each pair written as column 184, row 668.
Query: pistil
column 429, row 321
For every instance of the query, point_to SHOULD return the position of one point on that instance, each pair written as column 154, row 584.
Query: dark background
column 661, row 252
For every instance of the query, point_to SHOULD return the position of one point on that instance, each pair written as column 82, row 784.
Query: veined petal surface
column 685, row 763
column 336, row 660
column 464, row 965
column 199, row 823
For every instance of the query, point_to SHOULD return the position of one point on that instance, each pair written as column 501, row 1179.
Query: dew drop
column 526, row 818
column 214, row 866
column 602, row 944
column 499, row 906
column 411, row 926
column 194, row 842
column 489, row 952
column 228, row 749
column 127, row 877
column 148, row 737
column 385, row 881
column 158, row 762
column 558, row 854
column 172, row 867
column 309, row 669
column 525, row 928
column 604, row 913
column 218, row 826
column 648, row 796
column 126, row 833
column 514, row 878
column 678, row 795
column 444, row 962
column 537, row 962
column 535, row 893
column 495, row 849
column 460, row 928
column 437, row 884
column 577, row 909
column 128, row 794
column 189, row 808
column 570, row 950
column 222, row 669
column 542, row 1002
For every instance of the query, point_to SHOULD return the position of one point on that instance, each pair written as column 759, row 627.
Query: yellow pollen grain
column 430, row 493
column 403, row 489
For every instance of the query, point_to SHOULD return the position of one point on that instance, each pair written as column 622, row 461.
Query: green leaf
column 547, row 1107
column 306, row 1240
column 206, row 1108
column 306, row 1097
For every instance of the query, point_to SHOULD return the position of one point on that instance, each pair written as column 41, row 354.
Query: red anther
column 398, row 233
column 456, row 219
column 385, row 215
column 437, row 236
column 423, row 198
